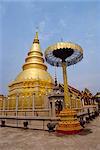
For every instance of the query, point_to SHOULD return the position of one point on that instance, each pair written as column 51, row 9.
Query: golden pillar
column 66, row 95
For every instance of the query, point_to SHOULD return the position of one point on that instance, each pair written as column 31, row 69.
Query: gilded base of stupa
column 68, row 122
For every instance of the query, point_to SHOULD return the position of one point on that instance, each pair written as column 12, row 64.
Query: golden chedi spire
column 34, row 77
column 35, row 56
column 34, row 67
column 36, row 40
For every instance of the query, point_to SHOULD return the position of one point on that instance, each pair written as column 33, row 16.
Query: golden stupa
column 32, row 80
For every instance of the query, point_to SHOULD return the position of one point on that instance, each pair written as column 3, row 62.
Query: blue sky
column 75, row 21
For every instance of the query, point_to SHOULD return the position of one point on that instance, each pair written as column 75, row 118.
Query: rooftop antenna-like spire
column 36, row 39
column 55, row 77
column 61, row 39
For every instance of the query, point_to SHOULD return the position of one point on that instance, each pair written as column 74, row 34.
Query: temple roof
column 97, row 95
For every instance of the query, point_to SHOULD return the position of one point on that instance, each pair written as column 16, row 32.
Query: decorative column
column 49, row 110
column 4, row 105
column 33, row 107
column 22, row 102
column 17, row 98
column 28, row 102
column 8, row 103
column 53, row 107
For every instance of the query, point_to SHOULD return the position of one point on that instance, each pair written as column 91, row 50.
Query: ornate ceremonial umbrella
column 64, row 54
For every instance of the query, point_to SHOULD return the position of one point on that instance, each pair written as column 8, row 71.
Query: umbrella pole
column 66, row 95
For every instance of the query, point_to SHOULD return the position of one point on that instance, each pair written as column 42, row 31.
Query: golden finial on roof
column 36, row 40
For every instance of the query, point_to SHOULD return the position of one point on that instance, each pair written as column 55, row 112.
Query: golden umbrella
column 64, row 54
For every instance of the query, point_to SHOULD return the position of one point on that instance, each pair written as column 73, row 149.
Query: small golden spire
column 35, row 58
column 36, row 40
column 55, row 77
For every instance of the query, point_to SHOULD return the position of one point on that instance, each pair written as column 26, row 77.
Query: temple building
column 88, row 101
column 34, row 92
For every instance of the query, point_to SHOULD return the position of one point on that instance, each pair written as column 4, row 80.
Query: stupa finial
column 35, row 58
column 36, row 40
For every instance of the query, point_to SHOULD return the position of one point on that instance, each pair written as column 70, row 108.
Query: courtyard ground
column 21, row 139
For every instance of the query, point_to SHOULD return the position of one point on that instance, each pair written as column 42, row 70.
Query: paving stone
column 21, row 139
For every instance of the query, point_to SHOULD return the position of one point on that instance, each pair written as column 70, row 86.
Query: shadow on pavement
column 82, row 133
column 85, row 132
